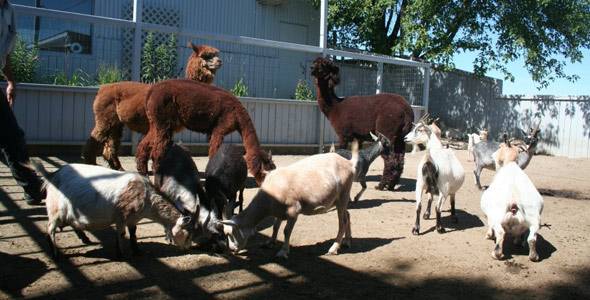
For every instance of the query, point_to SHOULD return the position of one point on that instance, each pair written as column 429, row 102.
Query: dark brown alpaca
column 356, row 116
column 123, row 103
column 176, row 103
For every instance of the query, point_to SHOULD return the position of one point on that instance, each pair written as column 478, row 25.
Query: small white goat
column 439, row 173
column 474, row 138
column 512, row 205
column 310, row 186
column 432, row 124
column 88, row 197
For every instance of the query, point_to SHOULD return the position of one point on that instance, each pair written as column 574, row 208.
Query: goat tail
column 513, row 214
column 355, row 156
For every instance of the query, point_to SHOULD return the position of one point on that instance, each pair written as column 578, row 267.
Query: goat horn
column 424, row 117
column 536, row 128
column 374, row 137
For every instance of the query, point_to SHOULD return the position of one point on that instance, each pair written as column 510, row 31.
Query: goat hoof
column 267, row 245
column 441, row 229
column 497, row 255
column 454, row 219
column 534, row 257
column 415, row 231
column 380, row 187
column 282, row 255
column 426, row 216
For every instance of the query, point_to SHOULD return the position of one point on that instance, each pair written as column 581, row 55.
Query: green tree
column 547, row 34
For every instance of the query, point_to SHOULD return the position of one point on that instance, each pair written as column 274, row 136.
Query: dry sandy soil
column 386, row 261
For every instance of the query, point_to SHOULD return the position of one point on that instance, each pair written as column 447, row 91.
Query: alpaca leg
column 112, row 147
column 143, row 154
column 215, row 142
column 94, row 145
column 161, row 143
column 392, row 171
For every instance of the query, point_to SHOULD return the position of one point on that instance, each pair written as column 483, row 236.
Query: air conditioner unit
column 273, row 2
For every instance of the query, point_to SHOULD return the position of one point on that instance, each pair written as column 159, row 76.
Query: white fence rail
column 61, row 115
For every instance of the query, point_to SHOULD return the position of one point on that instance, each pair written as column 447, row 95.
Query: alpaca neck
column 326, row 96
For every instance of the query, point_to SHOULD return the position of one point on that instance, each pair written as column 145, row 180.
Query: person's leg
column 14, row 147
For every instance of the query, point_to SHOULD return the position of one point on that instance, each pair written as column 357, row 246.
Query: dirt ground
column 385, row 262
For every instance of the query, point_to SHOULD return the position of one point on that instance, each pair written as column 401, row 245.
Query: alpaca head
column 203, row 63
column 260, row 163
column 324, row 68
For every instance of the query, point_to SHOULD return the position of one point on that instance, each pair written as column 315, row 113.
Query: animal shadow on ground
column 404, row 184
column 563, row 193
column 359, row 245
column 466, row 221
column 370, row 203
column 29, row 270
column 544, row 247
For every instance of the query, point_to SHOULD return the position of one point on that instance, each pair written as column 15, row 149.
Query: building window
column 55, row 34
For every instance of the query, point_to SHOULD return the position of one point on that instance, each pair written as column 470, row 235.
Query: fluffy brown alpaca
column 123, row 103
column 356, row 116
column 199, row 107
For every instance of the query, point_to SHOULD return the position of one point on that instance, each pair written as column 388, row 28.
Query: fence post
column 426, row 90
column 136, row 58
column 324, row 26
column 379, row 77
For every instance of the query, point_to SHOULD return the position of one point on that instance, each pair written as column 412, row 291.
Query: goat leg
column 82, row 236
column 363, row 183
column 532, row 239
column 275, row 230
column 454, row 218
column 284, row 253
column 133, row 240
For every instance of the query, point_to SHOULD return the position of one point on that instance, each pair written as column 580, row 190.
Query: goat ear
column 332, row 148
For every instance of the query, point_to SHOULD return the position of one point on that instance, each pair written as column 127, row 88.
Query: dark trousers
column 14, row 147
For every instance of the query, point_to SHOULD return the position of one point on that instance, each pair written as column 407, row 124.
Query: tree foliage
column 546, row 34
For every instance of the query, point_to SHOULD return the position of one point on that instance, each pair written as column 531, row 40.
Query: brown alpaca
column 356, row 116
column 199, row 107
column 123, row 103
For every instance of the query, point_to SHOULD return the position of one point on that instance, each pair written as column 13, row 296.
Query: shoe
column 31, row 201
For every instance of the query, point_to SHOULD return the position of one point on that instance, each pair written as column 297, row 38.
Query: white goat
column 88, row 197
column 310, row 186
column 435, row 129
column 474, row 138
column 512, row 205
column 439, row 173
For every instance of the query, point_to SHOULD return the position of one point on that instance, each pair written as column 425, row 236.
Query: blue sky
column 523, row 83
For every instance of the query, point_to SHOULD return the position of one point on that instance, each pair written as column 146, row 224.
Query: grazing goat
column 123, row 103
column 310, row 186
column 88, row 197
column 381, row 146
column 225, row 176
column 512, row 205
column 439, row 173
column 355, row 116
column 484, row 151
column 178, row 179
column 180, row 103
column 474, row 138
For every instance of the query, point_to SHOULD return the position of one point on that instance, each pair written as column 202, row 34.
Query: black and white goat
column 483, row 153
column 439, row 173
column 512, row 204
column 381, row 146
column 178, row 178
column 88, row 197
column 225, row 176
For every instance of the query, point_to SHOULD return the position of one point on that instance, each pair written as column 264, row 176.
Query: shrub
column 303, row 91
column 158, row 62
column 25, row 62
column 79, row 78
column 109, row 74
column 240, row 89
